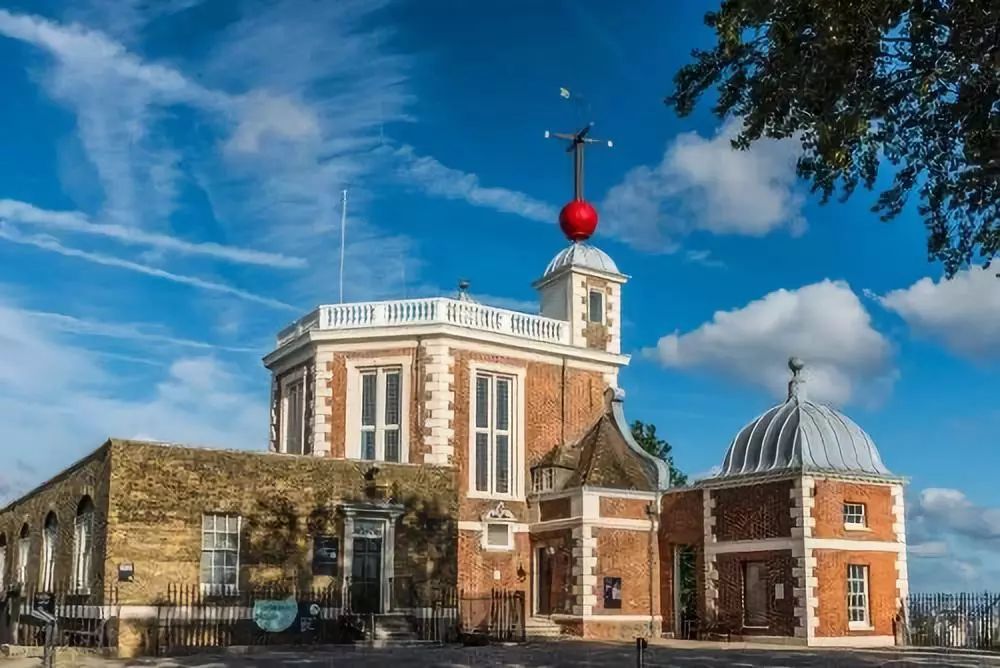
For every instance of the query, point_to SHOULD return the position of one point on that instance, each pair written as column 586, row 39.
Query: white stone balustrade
column 432, row 311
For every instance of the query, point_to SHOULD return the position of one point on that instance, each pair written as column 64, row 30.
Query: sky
column 170, row 185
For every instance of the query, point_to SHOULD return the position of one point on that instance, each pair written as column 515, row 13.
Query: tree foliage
column 913, row 85
column 645, row 436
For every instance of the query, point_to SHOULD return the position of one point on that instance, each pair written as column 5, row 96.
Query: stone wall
column 828, row 510
column 61, row 495
column 753, row 512
column 831, row 574
column 158, row 496
column 628, row 508
column 781, row 611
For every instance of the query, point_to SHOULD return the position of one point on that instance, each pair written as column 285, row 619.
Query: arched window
column 83, row 545
column 3, row 563
column 23, row 547
column 50, row 540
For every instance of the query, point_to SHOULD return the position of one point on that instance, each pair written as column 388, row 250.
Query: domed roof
column 802, row 435
column 579, row 254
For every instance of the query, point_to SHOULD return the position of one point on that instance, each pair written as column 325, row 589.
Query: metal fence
column 498, row 615
column 954, row 620
column 82, row 619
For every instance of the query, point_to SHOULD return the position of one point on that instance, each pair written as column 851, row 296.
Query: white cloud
column 47, row 243
column 952, row 510
column 933, row 549
column 963, row 313
column 73, row 221
column 823, row 323
column 439, row 180
column 704, row 184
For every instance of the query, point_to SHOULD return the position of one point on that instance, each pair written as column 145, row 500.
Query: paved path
column 547, row 655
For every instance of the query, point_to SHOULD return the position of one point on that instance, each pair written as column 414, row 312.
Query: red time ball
column 578, row 220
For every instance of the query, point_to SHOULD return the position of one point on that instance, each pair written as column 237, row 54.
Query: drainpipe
column 653, row 510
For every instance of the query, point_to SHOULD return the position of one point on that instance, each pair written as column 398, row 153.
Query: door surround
column 386, row 514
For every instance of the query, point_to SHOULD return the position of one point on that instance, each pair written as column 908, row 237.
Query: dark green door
column 366, row 570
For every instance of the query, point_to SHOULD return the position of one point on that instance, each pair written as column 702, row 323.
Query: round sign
column 275, row 616
column 314, row 610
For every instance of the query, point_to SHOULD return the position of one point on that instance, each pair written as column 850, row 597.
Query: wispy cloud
column 125, row 331
column 439, row 180
column 50, row 244
column 72, row 221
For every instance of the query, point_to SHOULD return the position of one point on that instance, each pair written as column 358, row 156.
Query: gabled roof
column 608, row 456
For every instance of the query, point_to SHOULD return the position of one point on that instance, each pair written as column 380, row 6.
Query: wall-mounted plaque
column 326, row 551
column 126, row 572
column 612, row 593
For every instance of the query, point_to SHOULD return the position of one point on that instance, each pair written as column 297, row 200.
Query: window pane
column 482, row 462
column 392, row 398
column 368, row 445
column 392, row 445
column 596, row 307
column 503, row 404
column 497, row 535
column 502, row 464
column 233, row 524
column 482, row 401
column 368, row 399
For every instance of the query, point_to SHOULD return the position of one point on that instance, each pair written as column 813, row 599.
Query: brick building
column 428, row 443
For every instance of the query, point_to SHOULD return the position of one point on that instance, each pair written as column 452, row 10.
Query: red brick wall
column 584, row 404
column 753, row 512
column 681, row 523
column 476, row 565
column 829, row 510
column 781, row 612
column 628, row 508
column 554, row 509
column 626, row 554
column 831, row 573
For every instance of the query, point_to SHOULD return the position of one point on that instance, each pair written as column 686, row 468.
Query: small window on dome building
column 854, row 515
column 595, row 307
column 543, row 480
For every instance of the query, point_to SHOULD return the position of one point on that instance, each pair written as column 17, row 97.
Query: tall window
column 3, row 563
column 755, row 593
column 293, row 415
column 83, row 545
column 854, row 515
column 595, row 306
column 50, row 539
column 23, row 547
column 381, row 414
column 857, row 596
column 220, row 553
column 493, row 429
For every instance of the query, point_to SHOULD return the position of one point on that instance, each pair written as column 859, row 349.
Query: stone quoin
column 442, row 443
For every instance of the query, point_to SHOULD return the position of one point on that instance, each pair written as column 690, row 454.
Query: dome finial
column 796, row 386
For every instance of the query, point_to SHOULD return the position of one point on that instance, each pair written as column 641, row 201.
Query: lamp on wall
column 521, row 573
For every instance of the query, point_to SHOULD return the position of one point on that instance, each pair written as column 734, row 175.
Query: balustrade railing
column 437, row 310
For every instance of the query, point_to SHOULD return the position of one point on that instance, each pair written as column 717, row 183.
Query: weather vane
column 578, row 219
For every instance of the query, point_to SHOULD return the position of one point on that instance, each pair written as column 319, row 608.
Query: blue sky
column 169, row 198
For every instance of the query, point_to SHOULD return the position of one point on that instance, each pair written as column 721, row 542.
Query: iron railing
column 966, row 620
column 82, row 618
column 498, row 614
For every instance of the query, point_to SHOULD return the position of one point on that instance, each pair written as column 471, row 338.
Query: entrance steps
column 541, row 627
column 394, row 628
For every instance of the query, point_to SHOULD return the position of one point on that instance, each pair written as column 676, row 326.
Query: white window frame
column 603, row 310
column 211, row 587
column 23, row 552
column 83, row 550
column 50, row 544
column 516, row 484
column 489, row 547
column 356, row 368
column 855, row 515
column 289, row 380
column 543, row 479
column 858, row 586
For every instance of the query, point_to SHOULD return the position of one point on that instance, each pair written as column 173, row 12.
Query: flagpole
column 343, row 236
